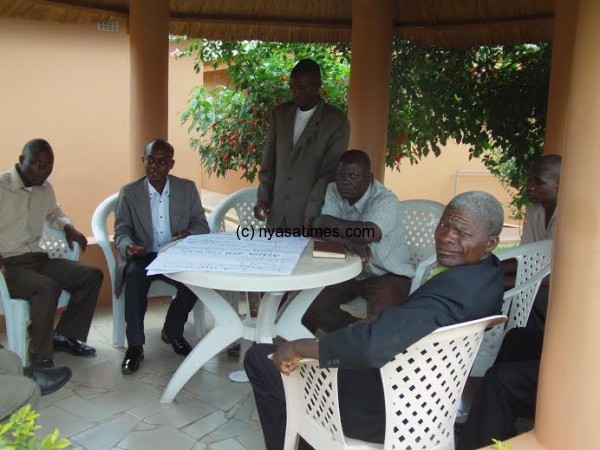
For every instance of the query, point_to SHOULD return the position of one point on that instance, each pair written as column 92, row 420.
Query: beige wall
column 445, row 176
column 70, row 85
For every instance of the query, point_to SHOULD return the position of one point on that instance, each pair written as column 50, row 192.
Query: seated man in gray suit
column 151, row 212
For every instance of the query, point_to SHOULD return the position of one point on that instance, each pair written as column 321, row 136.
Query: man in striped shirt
column 364, row 215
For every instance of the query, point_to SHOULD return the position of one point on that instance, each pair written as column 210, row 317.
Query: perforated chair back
column 17, row 310
column 422, row 389
column 533, row 265
column 420, row 219
column 242, row 202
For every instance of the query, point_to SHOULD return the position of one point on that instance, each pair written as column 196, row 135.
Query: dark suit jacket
column 133, row 217
column 293, row 180
column 459, row 294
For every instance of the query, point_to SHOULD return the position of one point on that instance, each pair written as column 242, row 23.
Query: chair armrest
column 56, row 245
column 4, row 295
column 308, row 361
column 536, row 279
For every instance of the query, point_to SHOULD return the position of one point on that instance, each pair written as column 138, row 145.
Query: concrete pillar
column 149, row 50
column 370, row 68
column 569, row 385
column 560, row 77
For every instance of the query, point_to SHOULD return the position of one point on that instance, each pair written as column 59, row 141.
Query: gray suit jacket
column 133, row 217
column 293, row 179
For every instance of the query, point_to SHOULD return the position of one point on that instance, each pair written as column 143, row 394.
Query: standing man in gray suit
column 151, row 212
column 306, row 139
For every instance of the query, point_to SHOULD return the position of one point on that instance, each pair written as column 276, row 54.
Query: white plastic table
column 309, row 277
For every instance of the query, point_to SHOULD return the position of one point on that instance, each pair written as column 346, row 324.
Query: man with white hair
column 467, row 285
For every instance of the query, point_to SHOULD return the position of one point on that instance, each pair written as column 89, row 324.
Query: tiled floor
column 99, row 408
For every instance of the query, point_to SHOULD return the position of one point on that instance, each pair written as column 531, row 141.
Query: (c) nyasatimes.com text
column 249, row 232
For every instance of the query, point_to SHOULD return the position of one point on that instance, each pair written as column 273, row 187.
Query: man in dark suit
column 467, row 285
column 151, row 212
column 305, row 141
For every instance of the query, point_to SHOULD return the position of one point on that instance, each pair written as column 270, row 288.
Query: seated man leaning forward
column 365, row 216
column 468, row 285
column 151, row 212
column 27, row 200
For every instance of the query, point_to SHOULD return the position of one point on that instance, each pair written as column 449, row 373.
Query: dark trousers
column 137, row 285
column 362, row 404
column 381, row 293
column 507, row 391
column 40, row 280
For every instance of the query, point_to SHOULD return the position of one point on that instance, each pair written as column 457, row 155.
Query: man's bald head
column 36, row 145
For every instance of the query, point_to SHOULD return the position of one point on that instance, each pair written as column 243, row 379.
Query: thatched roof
column 457, row 23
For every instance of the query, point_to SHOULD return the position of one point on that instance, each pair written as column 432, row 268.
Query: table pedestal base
column 229, row 328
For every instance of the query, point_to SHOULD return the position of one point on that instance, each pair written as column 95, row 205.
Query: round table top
column 309, row 273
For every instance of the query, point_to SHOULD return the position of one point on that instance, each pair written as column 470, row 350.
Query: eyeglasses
column 347, row 176
column 149, row 160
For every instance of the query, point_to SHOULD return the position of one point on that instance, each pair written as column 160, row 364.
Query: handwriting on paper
column 223, row 252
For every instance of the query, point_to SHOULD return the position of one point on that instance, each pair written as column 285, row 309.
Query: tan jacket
column 293, row 180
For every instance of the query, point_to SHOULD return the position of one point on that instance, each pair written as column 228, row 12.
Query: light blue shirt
column 161, row 225
column 380, row 206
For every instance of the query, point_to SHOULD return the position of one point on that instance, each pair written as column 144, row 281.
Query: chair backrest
column 533, row 265
column 242, row 202
column 424, row 384
column 531, row 259
column 420, row 219
column 100, row 230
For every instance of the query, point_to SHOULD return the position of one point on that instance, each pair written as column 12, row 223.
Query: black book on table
column 328, row 249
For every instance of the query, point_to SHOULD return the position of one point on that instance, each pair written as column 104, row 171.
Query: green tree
column 492, row 99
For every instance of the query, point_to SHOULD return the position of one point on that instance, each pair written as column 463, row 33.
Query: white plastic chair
column 16, row 310
column 533, row 265
column 158, row 288
column 420, row 219
column 422, row 388
column 242, row 202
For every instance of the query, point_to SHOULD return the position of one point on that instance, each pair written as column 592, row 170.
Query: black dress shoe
column 180, row 345
column 133, row 357
column 72, row 346
column 49, row 379
column 234, row 351
column 39, row 361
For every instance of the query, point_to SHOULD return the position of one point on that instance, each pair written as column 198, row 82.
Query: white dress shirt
column 161, row 226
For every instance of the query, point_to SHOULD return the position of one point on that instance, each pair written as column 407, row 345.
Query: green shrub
column 499, row 445
column 18, row 433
